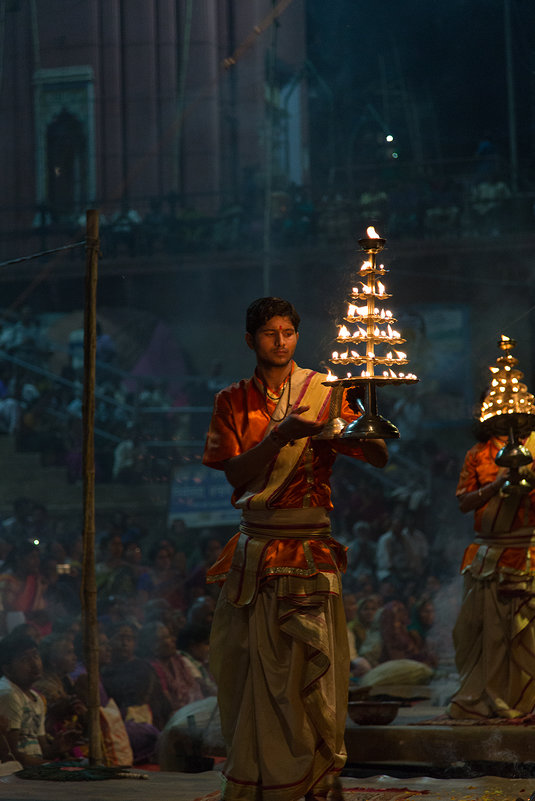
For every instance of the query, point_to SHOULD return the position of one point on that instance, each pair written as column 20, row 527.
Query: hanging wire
column 43, row 253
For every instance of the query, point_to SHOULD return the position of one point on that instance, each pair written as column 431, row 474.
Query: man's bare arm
column 470, row 501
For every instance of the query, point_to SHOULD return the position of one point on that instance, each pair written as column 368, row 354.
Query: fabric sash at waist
column 286, row 523
column 521, row 538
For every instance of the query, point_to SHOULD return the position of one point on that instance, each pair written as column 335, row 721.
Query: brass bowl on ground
column 373, row 713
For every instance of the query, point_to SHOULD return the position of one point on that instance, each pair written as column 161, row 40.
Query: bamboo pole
column 89, row 589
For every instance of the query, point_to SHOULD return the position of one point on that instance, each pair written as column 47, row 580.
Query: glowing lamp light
column 371, row 233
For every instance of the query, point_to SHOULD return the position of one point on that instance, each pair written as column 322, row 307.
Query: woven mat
column 67, row 772
column 356, row 794
column 445, row 720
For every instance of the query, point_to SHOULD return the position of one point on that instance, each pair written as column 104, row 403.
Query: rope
column 42, row 253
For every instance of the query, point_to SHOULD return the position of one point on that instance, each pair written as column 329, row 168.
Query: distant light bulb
column 389, row 138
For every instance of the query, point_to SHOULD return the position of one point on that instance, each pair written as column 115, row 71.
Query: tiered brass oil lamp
column 508, row 410
column 374, row 330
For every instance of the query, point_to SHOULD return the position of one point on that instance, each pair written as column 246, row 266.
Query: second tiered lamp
column 374, row 331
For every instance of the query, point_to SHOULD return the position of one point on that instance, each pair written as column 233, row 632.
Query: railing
column 445, row 199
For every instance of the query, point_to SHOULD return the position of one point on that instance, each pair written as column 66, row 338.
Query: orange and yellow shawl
column 505, row 541
column 285, row 527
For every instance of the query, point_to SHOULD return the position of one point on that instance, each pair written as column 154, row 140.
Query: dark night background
column 435, row 73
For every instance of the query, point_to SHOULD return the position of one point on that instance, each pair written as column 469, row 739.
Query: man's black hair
column 13, row 646
column 263, row 309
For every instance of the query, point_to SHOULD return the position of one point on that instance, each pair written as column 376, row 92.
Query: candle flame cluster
column 507, row 394
column 371, row 325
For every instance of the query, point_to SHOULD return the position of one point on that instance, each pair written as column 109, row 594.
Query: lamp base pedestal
column 370, row 426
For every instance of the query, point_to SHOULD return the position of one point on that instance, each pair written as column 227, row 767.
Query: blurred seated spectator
column 117, row 609
column 140, row 736
column 194, row 646
column 402, row 551
column 362, row 548
column 22, row 586
column 65, row 712
column 422, row 618
column 389, row 638
column 132, row 682
column 22, row 707
column 358, row 665
column 158, row 610
column 157, row 645
column 166, row 581
column 201, row 611
column 113, row 575
column 366, row 610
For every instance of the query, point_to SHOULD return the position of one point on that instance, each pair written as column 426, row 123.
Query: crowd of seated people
column 397, row 583
column 154, row 618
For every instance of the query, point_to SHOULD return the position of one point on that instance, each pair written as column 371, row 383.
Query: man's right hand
column 295, row 426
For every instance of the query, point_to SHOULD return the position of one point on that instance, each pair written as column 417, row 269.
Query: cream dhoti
column 280, row 657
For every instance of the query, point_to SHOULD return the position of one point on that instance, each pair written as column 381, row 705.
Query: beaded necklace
column 287, row 383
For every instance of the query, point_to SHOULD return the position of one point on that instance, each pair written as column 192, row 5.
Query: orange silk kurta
column 242, row 413
column 480, row 469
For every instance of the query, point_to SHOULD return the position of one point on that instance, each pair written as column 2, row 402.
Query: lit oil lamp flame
column 362, row 332
column 335, row 354
column 371, row 233
column 351, row 309
column 392, row 373
column 366, row 265
column 344, row 332
column 331, row 376
column 389, row 330
column 380, row 288
column 400, row 354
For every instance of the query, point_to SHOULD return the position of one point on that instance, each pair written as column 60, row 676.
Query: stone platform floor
column 193, row 787
column 405, row 748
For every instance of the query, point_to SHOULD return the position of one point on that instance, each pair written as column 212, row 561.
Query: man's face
column 274, row 342
column 25, row 668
